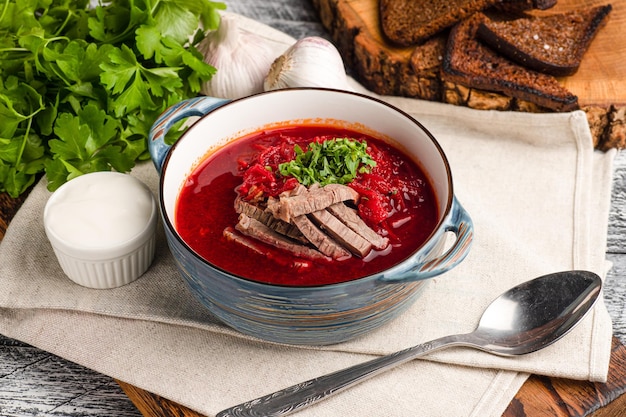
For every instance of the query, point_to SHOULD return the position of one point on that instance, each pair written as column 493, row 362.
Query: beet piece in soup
column 347, row 219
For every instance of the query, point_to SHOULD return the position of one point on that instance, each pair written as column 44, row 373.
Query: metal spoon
column 524, row 319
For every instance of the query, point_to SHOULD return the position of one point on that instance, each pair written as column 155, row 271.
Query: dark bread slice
column 471, row 63
column 411, row 22
column 615, row 135
column 427, row 57
column 520, row 6
column 554, row 44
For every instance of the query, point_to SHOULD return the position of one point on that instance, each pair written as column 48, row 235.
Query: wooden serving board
column 385, row 68
column 539, row 396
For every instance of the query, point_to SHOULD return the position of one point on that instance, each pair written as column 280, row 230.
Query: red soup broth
column 205, row 208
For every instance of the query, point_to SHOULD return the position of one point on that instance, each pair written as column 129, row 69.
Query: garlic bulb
column 310, row 62
column 242, row 60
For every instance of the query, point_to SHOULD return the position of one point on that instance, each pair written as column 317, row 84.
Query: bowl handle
column 460, row 223
column 197, row 106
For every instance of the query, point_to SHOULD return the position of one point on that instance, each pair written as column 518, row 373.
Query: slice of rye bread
column 411, row 22
column 469, row 62
column 553, row 44
column 520, row 6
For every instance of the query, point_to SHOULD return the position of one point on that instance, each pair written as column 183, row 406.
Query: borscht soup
column 306, row 205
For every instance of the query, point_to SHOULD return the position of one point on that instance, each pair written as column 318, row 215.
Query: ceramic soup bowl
column 313, row 315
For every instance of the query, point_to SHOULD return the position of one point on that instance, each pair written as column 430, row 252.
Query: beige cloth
column 539, row 196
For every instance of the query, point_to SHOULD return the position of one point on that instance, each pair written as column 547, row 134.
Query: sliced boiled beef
column 266, row 217
column 319, row 239
column 254, row 228
column 347, row 237
column 311, row 223
column 350, row 218
column 317, row 198
column 258, row 247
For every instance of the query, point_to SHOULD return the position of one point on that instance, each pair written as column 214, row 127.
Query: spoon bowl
column 537, row 313
column 524, row 319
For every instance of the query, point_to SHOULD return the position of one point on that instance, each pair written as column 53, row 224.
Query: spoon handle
column 306, row 393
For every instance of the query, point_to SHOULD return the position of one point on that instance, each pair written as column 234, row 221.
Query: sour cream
column 100, row 210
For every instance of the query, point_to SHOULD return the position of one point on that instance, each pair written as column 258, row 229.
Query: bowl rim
column 445, row 214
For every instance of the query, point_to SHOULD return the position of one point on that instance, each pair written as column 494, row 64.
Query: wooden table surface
column 36, row 383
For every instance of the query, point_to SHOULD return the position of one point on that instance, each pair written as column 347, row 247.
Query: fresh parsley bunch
column 80, row 86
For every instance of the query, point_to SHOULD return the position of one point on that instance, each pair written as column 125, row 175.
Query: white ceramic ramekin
column 102, row 228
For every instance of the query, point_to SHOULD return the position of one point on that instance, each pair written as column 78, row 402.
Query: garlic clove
column 242, row 60
column 310, row 62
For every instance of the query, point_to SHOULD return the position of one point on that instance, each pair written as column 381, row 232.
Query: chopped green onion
column 334, row 161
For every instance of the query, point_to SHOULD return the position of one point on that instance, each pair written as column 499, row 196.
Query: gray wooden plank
column 296, row 18
column 615, row 285
column 615, row 295
column 616, row 241
column 36, row 383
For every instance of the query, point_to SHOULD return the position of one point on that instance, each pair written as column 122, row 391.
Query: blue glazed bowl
column 324, row 314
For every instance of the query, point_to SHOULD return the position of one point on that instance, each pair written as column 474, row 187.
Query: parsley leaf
column 85, row 143
column 133, row 85
column 333, row 161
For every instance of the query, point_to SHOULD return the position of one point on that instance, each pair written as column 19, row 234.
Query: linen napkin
column 538, row 194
